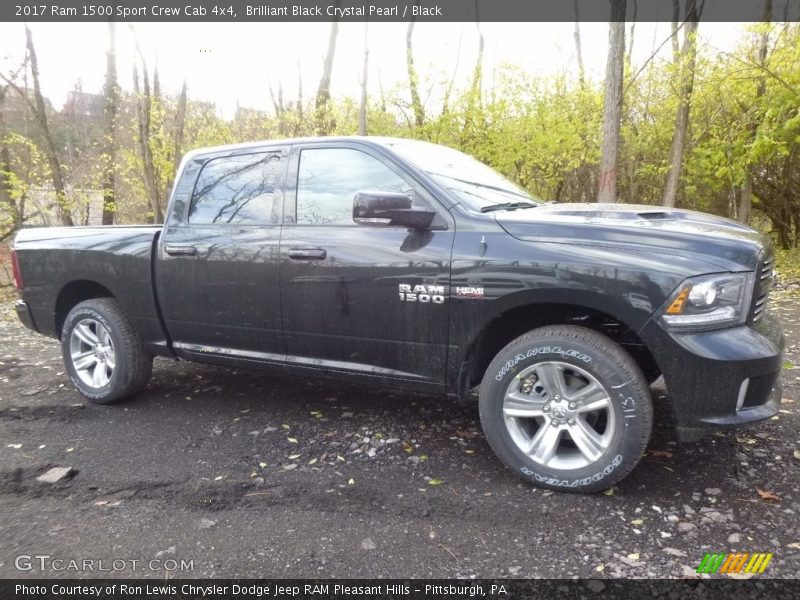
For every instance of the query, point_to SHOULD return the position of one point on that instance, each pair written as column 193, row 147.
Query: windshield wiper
column 508, row 206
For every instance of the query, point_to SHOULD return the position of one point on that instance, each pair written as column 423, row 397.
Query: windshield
column 475, row 184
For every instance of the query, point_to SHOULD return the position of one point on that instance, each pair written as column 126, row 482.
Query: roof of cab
column 371, row 140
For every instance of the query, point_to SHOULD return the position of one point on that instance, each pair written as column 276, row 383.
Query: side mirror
column 390, row 208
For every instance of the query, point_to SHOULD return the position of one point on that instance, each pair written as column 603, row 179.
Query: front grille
column 763, row 286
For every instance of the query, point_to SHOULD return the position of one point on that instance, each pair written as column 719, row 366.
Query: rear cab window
column 241, row 189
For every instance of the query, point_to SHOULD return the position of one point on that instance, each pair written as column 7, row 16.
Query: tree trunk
column 632, row 32
column 143, row 113
column 177, row 141
column 382, row 93
column 451, row 83
column 177, row 137
column 324, row 121
column 5, row 173
column 299, row 121
column 40, row 113
column 686, row 65
column 612, row 111
column 416, row 103
column 110, row 117
column 474, row 110
column 746, row 200
column 278, row 106
column 362, row 112
column 578, row 49
column 676, row 17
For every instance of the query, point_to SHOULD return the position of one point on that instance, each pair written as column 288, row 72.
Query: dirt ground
column 243, row 474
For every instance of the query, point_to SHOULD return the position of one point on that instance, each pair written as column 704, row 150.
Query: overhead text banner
column 380, row 10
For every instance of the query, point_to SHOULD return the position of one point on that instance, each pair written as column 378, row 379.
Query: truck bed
column 58, row 261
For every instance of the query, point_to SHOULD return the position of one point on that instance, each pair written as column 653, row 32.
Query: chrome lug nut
column 571, row 422
column 546, row 408
column 572, row 406
column 555, row 422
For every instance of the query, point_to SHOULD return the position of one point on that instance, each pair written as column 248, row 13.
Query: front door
column 372, row 300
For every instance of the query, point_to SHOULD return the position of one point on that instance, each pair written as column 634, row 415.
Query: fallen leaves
column 796, row 454
column 292, row 440
column 661, row 453
column 466, row 434
column 768, row 496
column 434, row 481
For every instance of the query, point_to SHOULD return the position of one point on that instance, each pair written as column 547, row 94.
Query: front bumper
column 723, row 378
column 24, row 314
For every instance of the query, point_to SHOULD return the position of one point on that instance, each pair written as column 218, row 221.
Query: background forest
column 706, row 130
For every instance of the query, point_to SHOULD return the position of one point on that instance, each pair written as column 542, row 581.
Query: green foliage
column 544, row 133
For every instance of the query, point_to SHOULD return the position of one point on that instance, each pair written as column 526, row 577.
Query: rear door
column 371, row 300
column 218, row 258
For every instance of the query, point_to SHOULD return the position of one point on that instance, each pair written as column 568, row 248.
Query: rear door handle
column 181, row 250
column 307, row 253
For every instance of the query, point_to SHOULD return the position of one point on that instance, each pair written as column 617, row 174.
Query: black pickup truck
column 408, row 265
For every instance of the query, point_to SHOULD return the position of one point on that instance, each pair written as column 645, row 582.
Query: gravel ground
column 247, row 474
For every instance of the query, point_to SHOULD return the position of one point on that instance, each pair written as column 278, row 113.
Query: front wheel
column 102, row 352
column 566, row 408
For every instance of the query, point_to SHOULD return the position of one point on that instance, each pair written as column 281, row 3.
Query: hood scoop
column 655, row 215
column 616, row 214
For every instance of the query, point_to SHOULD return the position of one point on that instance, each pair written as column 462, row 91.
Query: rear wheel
column 566, row 408
column 102, row 352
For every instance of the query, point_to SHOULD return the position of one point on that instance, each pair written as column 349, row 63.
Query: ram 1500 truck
column 411, row 266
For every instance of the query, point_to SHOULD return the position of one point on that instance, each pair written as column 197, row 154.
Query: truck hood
column 721, row 242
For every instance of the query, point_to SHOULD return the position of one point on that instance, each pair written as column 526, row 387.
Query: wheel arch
column 518, row 320
column 72, row 294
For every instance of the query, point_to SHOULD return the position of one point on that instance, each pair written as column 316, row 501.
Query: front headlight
column 709, row 302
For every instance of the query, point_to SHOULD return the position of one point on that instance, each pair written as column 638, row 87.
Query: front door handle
column 181, row 250
column 307, row 253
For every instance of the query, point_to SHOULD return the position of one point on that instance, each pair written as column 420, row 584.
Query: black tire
column 628, row 415
column 132, row 367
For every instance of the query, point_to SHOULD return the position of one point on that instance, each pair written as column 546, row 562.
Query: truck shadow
column 440, row 430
